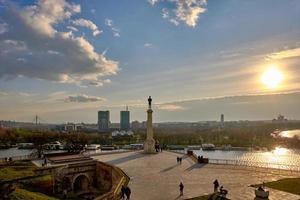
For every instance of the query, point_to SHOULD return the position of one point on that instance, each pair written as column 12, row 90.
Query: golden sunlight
column 272, row 77
column 280, row 151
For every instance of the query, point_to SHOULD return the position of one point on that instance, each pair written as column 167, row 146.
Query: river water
column 290, row 134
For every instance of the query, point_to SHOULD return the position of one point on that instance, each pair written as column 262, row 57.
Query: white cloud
column 82, row 98
column 187, row 11
column 115, row 31
column 148, row 45
column 290, row 53
column 45, row 14
column 72, row 28
column 165, row 13
column 108, row 22
column 152, row 2
column 174, row 21
column 34, row 38
column 3, row 27
column 170, row 107
column 88, row 24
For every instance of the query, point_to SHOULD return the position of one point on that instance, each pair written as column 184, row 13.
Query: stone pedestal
column 149, row 144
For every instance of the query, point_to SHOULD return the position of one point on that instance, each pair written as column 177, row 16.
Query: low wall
column 112, row 178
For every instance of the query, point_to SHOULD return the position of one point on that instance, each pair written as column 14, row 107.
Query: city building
column 125, row 120
column 103, row 120
column 121, row 133
column 222, row 119
column 72, row 127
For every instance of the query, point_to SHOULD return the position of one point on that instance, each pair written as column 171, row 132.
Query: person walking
column 216, row 185
column 123, row 192
column 127, row 193
column 181, row 186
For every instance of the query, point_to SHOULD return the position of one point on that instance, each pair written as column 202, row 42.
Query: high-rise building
column 103, row 120
column 125, row 120
column 222, row 119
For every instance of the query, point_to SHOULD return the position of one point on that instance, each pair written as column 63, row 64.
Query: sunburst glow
column 280, row 151
column 272, row 77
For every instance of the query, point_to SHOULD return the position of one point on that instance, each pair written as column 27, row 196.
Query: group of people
column 200, row 159
column 8, row 159
column 125, row 191
column 157, row 147
column 222, row 191
column 179, row 160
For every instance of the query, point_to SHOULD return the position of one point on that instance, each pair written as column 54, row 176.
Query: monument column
column 149, row 144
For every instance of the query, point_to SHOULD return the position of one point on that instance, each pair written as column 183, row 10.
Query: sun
column 272, row 77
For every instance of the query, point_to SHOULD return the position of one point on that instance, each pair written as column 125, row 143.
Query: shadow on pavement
column 169, row 168
column 194, row 166
column 178, row 197
column 126, row 159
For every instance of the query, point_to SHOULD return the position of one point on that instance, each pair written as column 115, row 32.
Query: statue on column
column 149, row 101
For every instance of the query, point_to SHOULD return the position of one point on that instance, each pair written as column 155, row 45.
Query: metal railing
column 277, row 166
column 252, row 164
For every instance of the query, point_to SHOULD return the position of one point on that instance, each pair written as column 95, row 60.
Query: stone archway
column 81, row 183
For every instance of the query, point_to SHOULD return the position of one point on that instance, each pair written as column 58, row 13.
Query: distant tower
column 125, row 120
column 103, row 120
column 222, row 119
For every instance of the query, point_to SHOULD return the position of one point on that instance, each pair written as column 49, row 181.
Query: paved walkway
column 157, row 176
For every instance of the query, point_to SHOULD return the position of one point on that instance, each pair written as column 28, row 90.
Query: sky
column 65, row 60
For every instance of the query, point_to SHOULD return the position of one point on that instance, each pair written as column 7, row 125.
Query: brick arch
column 81, row 182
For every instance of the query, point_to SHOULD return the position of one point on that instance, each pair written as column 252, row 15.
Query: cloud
column 82, row 98
column 290, row 53
column 72, row 28
column 187, row 11
column 88, row 24
column 3, row 93
column 16, row 94
column 110, row 23
column 152, row 2
column 3, row 27
column 174, row 21
column 170, row 107
column 148, row 45
column 50, row 54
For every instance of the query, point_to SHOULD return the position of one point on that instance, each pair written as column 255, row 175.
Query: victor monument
column 149, row 144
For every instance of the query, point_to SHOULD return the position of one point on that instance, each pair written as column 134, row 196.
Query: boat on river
column 208, row 147
column 93, row 147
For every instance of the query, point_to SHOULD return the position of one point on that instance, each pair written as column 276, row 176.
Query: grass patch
column 40, row 184
column 291, row 185
column 9, row 173
column 21, row 194
column 17, row 169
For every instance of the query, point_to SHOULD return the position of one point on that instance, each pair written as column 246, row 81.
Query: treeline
column 243, row 136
